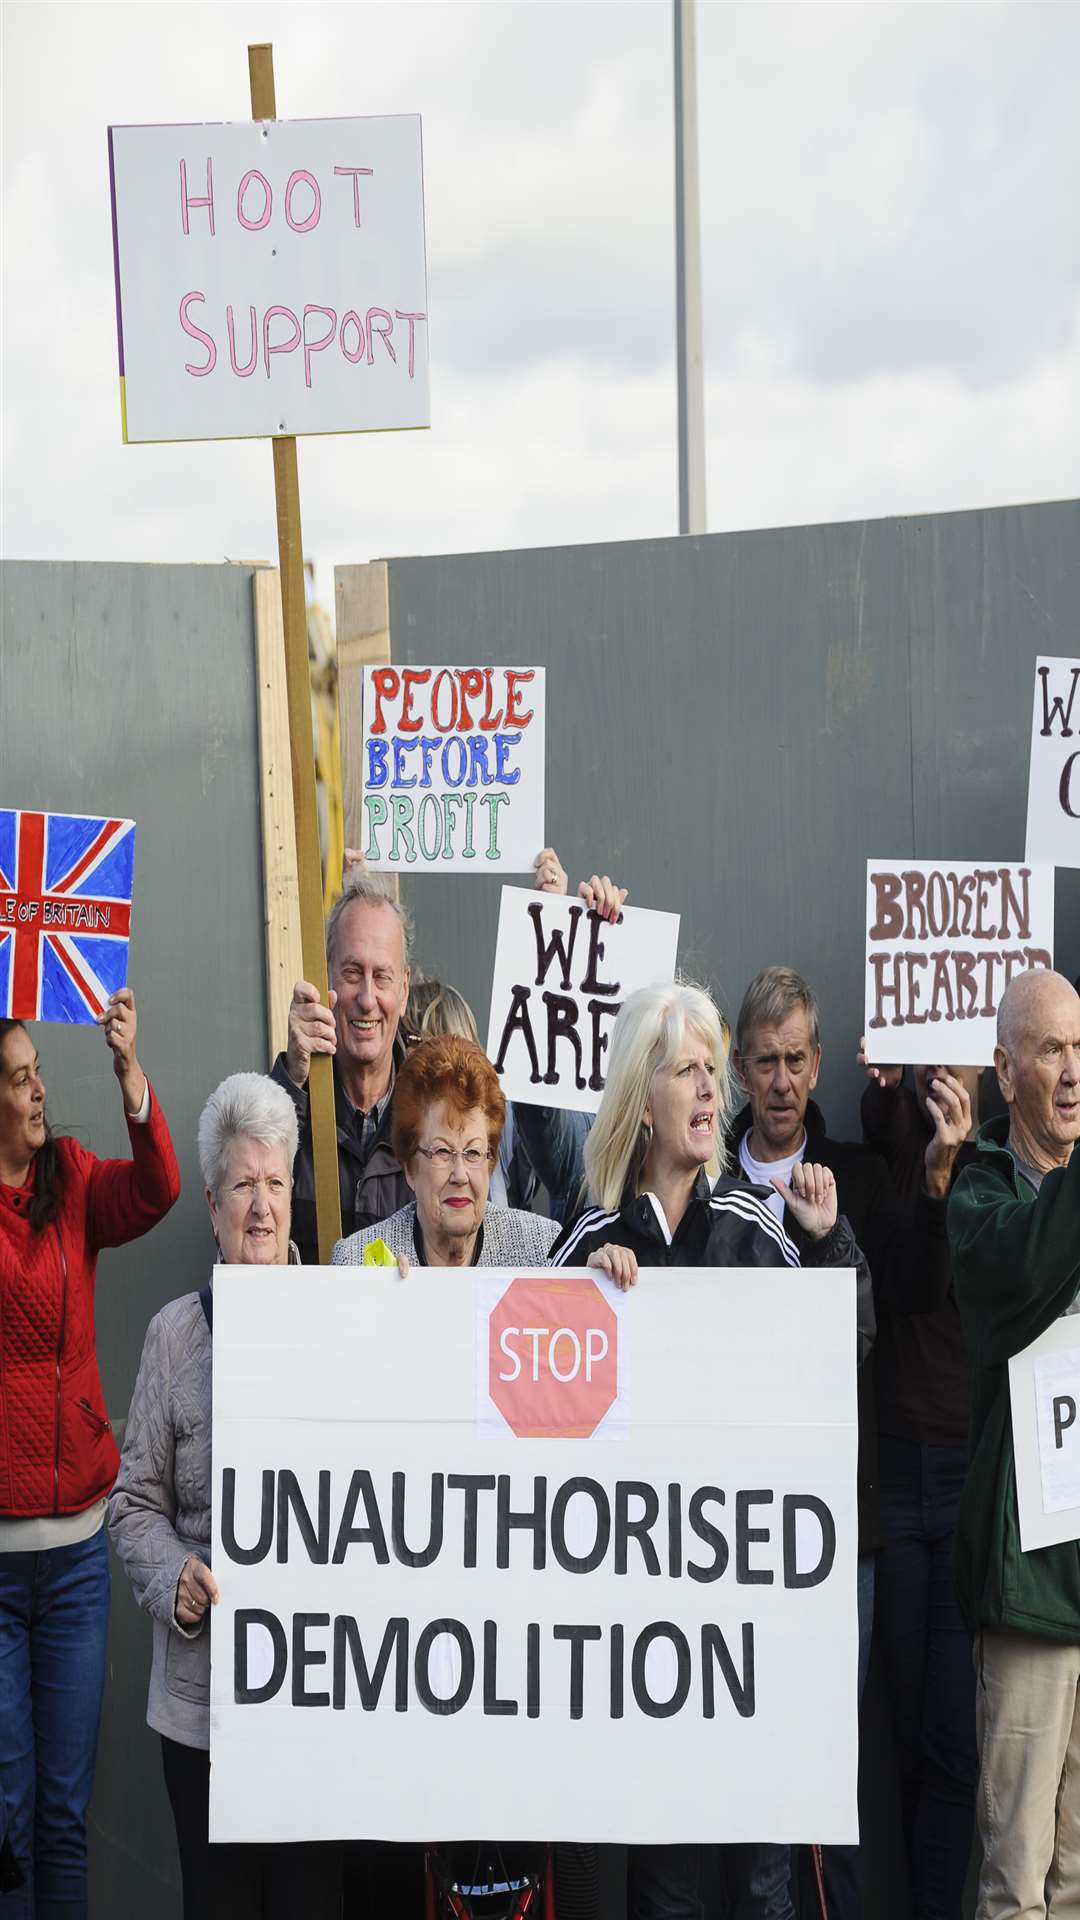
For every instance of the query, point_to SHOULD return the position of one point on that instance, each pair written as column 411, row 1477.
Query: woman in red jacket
column 59, row 1206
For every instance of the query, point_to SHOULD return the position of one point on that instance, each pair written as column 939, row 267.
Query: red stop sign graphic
column 553, row 1357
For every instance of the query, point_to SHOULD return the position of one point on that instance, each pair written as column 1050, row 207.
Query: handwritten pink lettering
column 280, row 346
column 242, row 372
column 197, row 333
column 412, row 318
column 303, row 226
column 186, row 200
column 352, row 319
column 384, row 332
column 317, row 346
column 254, row 226
column 357, row 173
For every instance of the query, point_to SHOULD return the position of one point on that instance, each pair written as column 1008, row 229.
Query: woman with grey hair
column 159, row 1513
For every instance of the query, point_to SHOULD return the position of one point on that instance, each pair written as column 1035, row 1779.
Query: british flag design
column 65, row 913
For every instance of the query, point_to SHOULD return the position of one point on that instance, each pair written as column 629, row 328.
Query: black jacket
column 920, row 1356
column 726, row 1225
column 898, row 1242
column 372, row 1185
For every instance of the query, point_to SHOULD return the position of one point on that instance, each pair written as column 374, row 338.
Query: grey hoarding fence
column 736, row 723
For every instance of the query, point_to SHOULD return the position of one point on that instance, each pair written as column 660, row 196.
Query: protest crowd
column 708, row 1150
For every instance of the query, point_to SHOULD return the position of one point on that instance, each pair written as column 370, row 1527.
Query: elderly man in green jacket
column 1014, row 1230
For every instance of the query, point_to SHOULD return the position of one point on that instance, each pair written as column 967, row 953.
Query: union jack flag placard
column 65, row 913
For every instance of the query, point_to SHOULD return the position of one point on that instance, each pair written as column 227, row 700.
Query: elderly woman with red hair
column 447, row 1119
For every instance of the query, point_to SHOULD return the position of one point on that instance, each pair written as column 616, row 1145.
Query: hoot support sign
column 270, row 281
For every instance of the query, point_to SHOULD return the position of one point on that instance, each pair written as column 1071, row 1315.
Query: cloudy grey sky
column 891, row 263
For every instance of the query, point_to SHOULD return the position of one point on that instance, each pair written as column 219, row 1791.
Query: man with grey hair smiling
column 1014, row 1231
column 368, row 942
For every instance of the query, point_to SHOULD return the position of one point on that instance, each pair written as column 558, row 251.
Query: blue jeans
column 54, row 1618
column 926, row 1650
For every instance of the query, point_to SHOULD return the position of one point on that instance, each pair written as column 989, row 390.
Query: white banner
column 452, row 768
column 943, row 940
column 1053, row 817
column 270, row 278
column 515, row 1556
column 561, row 975
column 1044, row 1391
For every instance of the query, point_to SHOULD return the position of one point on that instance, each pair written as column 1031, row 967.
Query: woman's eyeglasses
column 472, row 1158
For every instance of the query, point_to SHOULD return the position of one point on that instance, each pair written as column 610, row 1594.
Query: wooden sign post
column 321, row 1104
column 241, row 253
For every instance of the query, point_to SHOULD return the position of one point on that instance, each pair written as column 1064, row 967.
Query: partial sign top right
column 1053, row 816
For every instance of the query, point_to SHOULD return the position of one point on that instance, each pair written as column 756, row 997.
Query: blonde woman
column 653, row 1184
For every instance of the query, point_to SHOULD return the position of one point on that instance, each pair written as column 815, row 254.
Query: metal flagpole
column 688, row 275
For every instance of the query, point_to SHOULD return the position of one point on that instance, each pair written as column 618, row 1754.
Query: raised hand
column 811, row 1197
column 119, row 1020
column 949, row 1106
column 888, row 1077
column 602, row 896
column 550, row 872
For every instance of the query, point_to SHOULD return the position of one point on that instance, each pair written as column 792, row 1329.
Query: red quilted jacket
column 57, row 1452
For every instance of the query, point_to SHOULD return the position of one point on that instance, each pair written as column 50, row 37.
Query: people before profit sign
column 453, row 730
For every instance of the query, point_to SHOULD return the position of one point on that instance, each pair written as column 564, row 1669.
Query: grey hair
column 247, row 1106
column 771, row 996
column 370, row 890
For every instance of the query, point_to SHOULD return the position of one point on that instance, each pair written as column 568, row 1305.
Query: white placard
column 561, row 975
column 1044, row 1391
column 1053, row 817
column 452, row 768
column 551, row 1667
column 270, row 278
column 943, row 940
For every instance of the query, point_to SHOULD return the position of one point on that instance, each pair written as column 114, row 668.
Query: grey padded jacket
column 159, row 1510
column 511, row 1239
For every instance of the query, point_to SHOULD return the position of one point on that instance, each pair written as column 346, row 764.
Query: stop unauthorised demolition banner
column 516, row 1554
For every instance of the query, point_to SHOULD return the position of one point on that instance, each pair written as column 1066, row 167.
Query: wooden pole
column 298, row 684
